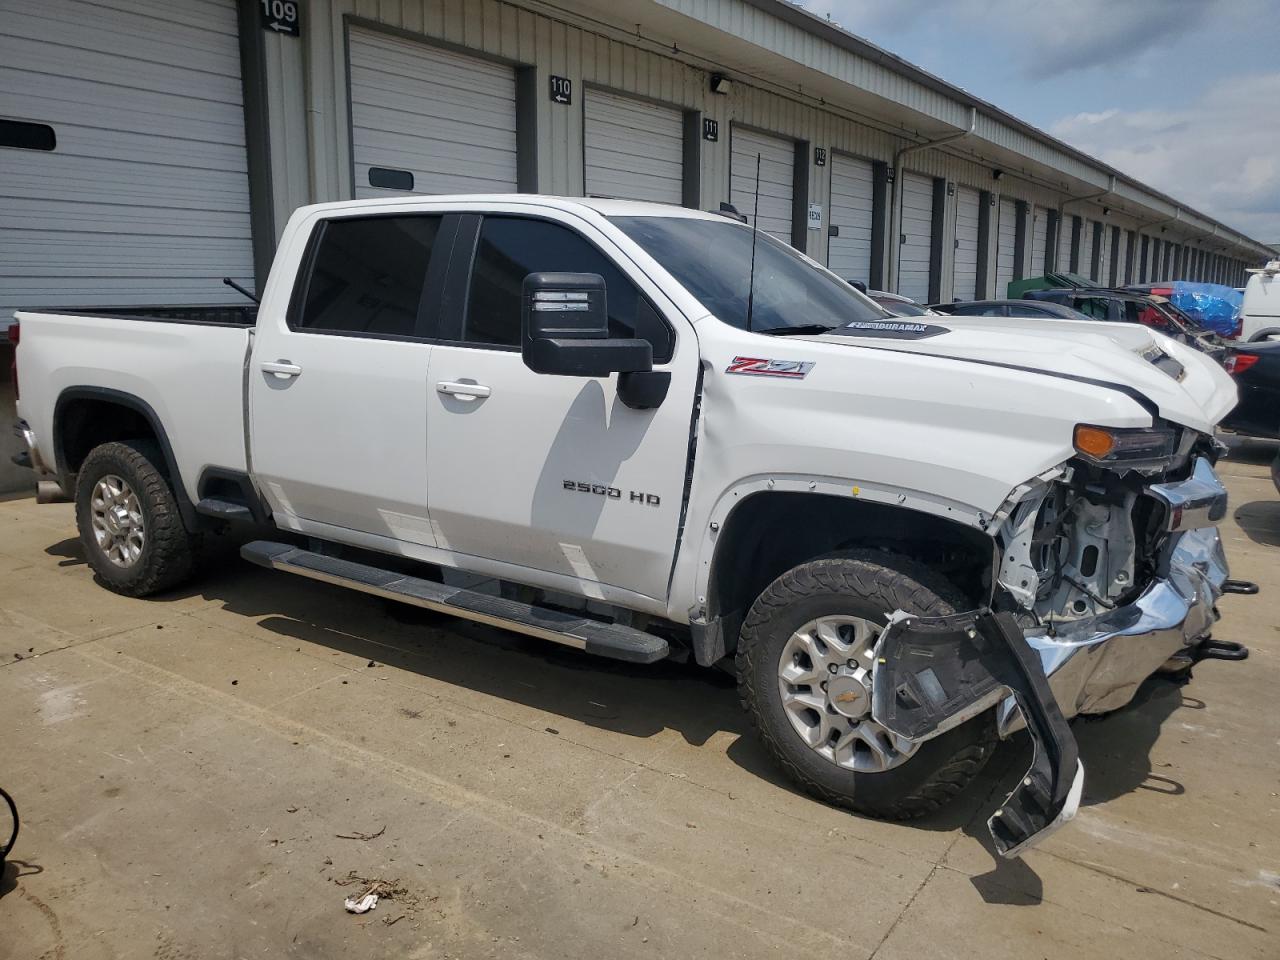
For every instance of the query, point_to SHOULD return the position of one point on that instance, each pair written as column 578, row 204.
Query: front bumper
column 1096, row 665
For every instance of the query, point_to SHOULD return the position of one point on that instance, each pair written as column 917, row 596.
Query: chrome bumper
column 1096, row 665
column 22, row 430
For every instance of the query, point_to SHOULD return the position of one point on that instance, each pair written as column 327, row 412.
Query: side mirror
column 564, row 326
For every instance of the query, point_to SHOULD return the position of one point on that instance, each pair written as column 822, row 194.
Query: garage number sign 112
column 280, row 16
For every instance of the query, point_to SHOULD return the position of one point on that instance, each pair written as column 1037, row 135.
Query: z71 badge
column 761, row 367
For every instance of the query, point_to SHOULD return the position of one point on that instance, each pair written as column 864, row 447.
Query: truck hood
column 1186, row 386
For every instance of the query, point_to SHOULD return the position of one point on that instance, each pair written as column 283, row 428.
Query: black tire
column 169, row 550
column 867, row 584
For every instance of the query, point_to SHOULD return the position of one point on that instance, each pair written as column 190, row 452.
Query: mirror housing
column 564, row 327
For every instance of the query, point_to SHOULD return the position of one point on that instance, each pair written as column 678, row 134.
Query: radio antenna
column 755, row 229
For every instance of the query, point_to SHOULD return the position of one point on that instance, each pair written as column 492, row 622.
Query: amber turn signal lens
column 1094, row 441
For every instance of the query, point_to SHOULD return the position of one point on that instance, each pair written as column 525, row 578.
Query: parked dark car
column 1119, row 306
column 894, row 304
column 1009, row 308
column 1256, row 369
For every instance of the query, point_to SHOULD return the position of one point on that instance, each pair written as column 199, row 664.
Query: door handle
column 281, row 368
column 475, row 391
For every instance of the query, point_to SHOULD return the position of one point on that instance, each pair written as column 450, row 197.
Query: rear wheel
column 805, row 660
column 128, row 518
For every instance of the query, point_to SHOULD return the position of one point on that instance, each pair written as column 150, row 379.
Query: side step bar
column 603, row 639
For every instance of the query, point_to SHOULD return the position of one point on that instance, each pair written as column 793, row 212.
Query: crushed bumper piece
column 934, row 673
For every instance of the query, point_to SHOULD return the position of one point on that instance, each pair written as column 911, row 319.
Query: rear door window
column 366, row 276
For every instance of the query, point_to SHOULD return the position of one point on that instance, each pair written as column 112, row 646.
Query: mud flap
column 934, row 673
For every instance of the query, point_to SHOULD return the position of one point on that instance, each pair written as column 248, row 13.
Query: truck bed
column 184, row 363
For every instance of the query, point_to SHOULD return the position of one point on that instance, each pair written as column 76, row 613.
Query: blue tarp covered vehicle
column 1213, row 305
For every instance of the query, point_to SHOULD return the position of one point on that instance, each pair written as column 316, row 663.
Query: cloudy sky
column 1181, row 94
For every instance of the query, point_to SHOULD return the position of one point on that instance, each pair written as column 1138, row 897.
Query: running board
column 603, row 639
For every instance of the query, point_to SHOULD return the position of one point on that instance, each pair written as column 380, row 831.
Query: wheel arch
column 80, row 424
column 770, row 531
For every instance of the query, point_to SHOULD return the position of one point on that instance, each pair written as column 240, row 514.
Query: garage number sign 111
column 280, row 16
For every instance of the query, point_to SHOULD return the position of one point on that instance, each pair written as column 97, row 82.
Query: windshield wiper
column 803, row 330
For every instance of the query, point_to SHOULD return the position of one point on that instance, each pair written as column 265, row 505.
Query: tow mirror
column 565, row 329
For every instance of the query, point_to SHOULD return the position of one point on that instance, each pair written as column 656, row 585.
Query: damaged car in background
column 648, row 432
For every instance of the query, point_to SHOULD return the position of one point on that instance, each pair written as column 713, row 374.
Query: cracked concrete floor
column 196, row 772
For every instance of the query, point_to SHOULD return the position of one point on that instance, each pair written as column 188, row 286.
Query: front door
column 552, row 473
column 338, row 385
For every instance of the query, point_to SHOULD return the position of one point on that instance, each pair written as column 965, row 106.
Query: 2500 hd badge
column 613, row 493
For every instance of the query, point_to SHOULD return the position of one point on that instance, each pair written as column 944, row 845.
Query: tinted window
column 712, row 260
column 367, row 275
column 1092, row 307
column 510, row 248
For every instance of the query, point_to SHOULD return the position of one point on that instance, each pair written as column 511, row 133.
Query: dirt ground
column 211, row 773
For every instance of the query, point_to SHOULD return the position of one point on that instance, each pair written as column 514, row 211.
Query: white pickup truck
column 645, row 431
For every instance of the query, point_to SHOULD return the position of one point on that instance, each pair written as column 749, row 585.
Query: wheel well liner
column 80, row 424
column 770, row 532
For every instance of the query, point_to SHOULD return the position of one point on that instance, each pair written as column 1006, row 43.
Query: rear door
column 338, row 382
column 553, row 475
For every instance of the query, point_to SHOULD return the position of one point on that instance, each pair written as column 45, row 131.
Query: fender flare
column 1261, row 335
column 140, row 406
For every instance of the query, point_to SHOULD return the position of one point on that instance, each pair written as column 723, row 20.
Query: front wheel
column 805, row 659
column 132, row 532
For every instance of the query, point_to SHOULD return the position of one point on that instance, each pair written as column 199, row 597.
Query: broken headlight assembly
column 1124, row 446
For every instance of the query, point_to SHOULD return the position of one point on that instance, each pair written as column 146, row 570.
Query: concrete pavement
column 197, row 774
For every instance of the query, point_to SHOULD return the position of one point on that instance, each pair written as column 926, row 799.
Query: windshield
column 712, row 260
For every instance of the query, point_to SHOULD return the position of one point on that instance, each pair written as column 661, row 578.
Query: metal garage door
column 915, row 244
column 632, row 149
column 1064, row 243
column 1039, row 238
column 1006, row 241
column 447, row 119
column 777, row 176
column 852, row 202
column 1104, row 256
column 964, row 275
column 145, row 196
column 1086, row 250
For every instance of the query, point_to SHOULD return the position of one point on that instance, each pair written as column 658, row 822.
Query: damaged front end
column 1109, row 569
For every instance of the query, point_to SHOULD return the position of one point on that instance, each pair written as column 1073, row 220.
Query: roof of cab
column 604, row 206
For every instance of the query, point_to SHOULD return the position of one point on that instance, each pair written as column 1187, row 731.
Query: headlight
column 1123, row 446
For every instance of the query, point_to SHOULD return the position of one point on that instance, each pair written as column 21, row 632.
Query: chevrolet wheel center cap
column 849, row 696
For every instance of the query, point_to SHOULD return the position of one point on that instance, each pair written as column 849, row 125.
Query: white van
column 1260, row 312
